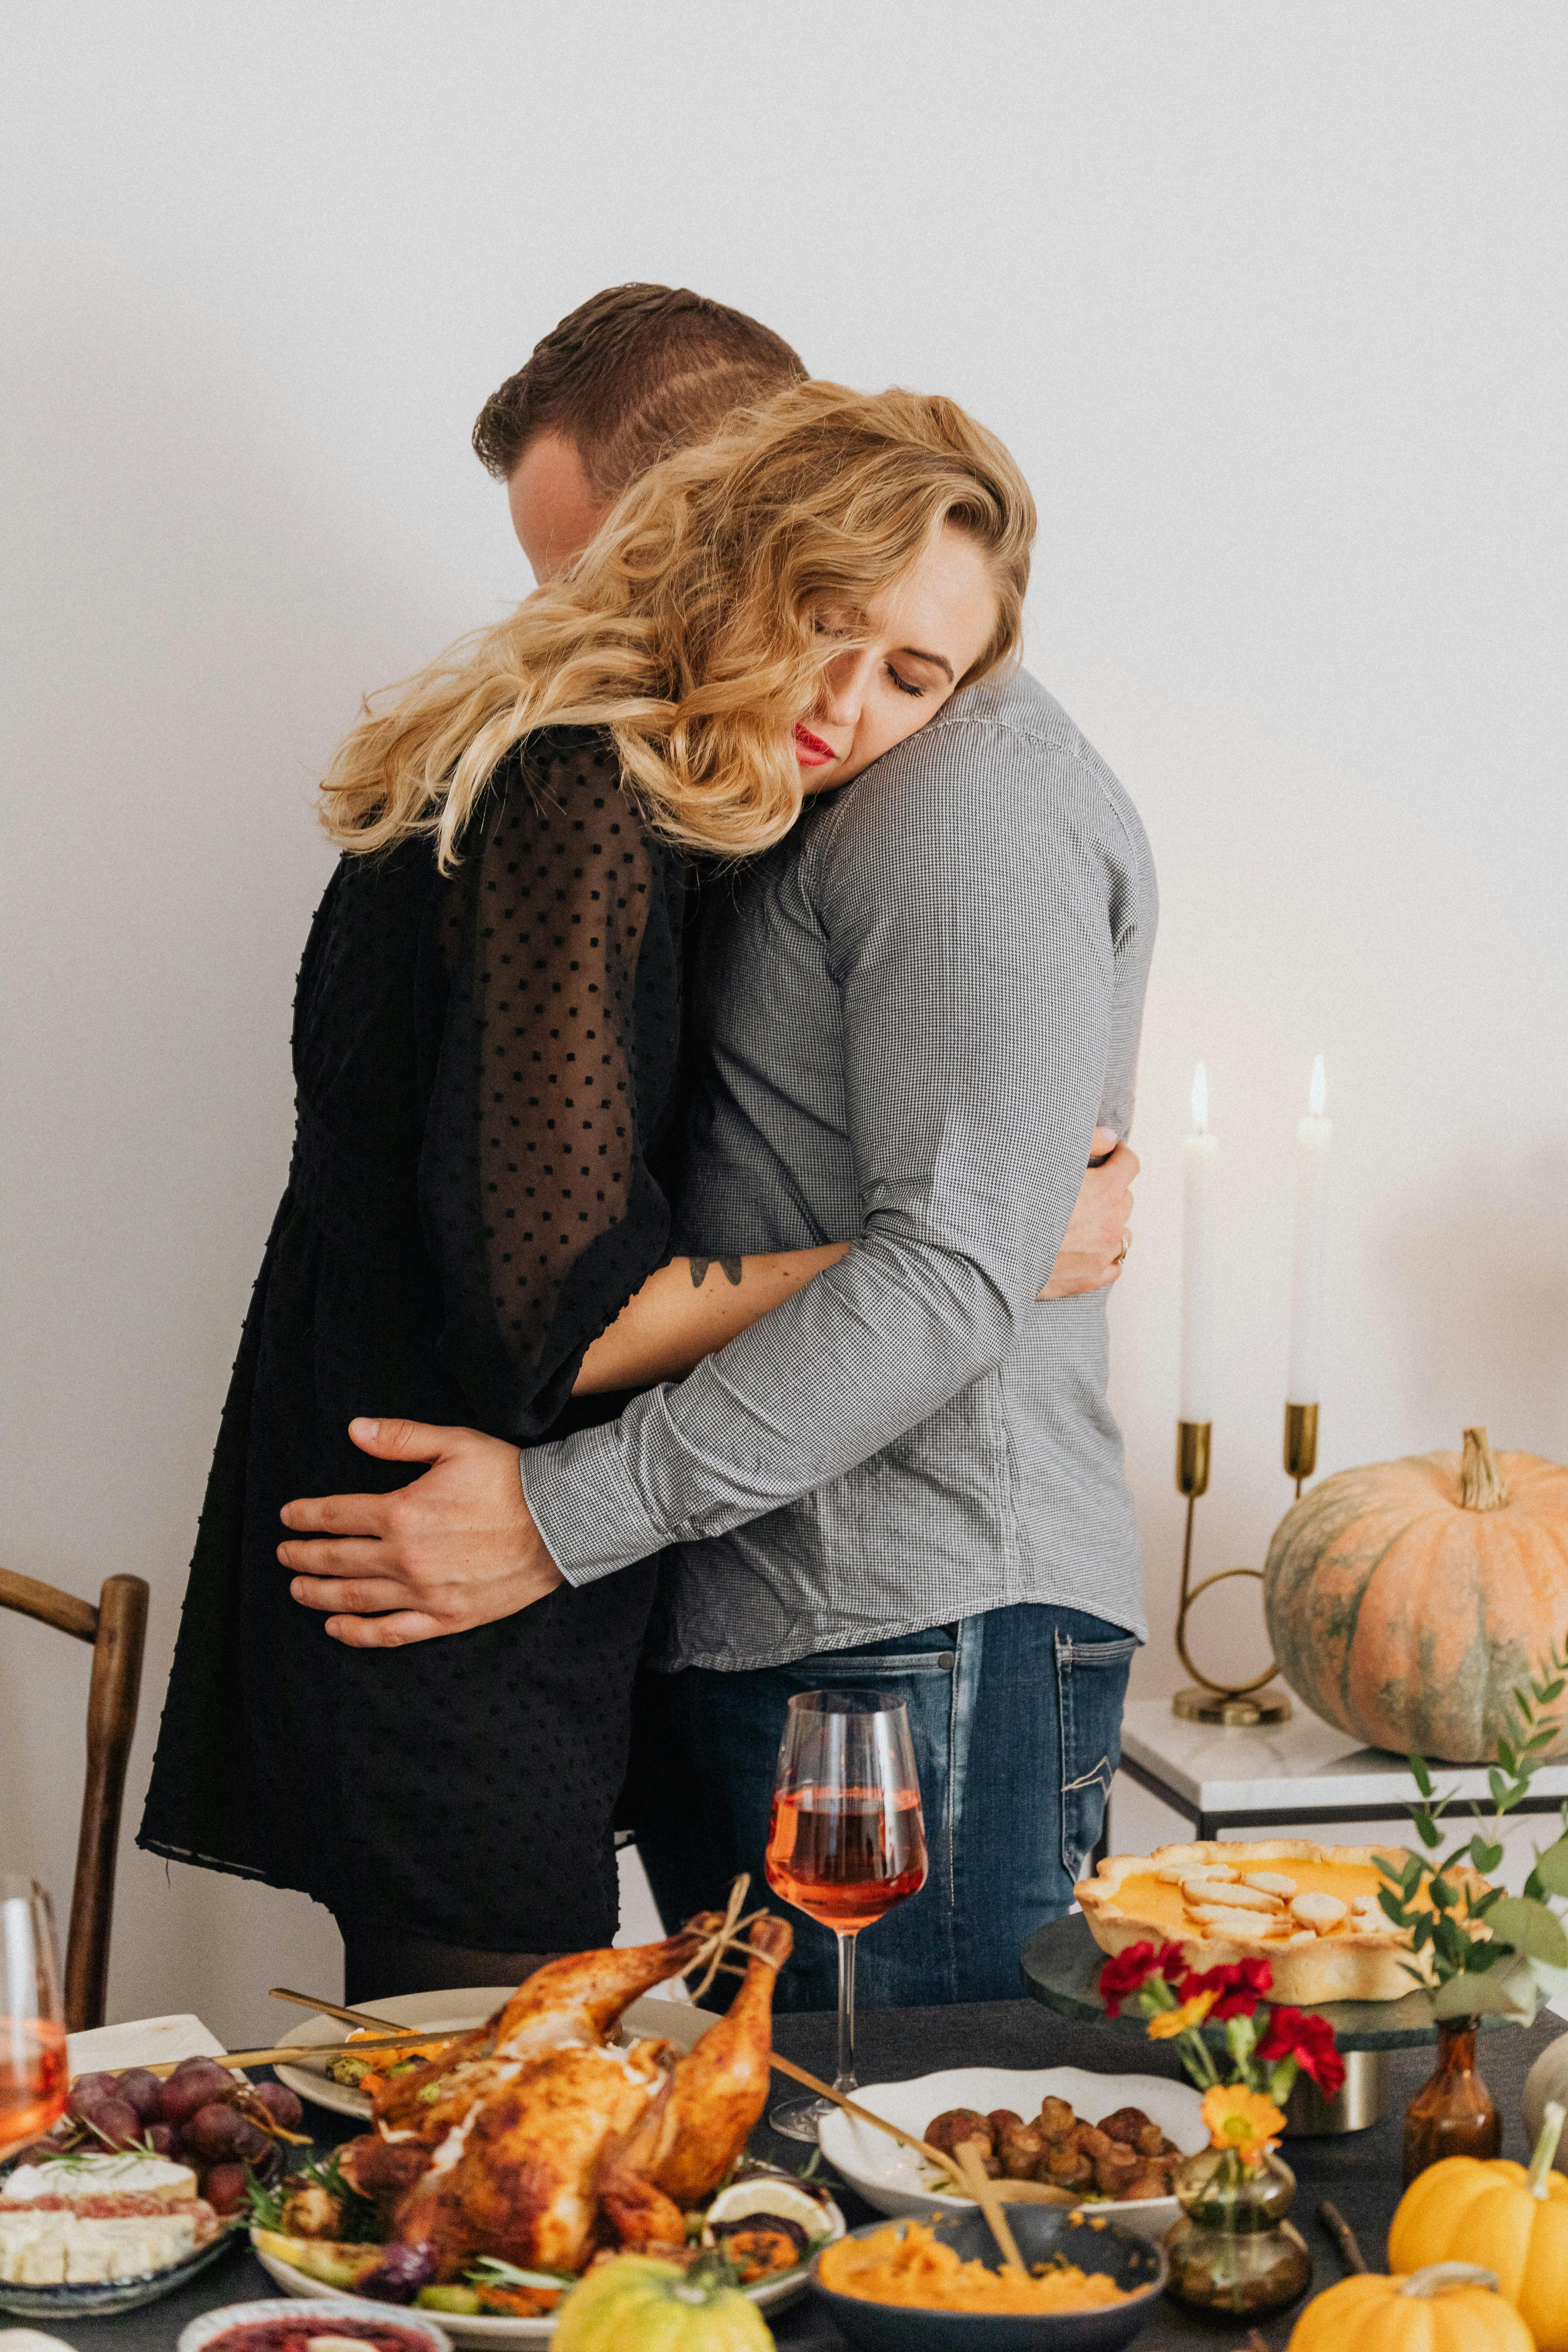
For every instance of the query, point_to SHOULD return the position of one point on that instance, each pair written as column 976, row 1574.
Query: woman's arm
column 693, row 1305
column 689, row 1308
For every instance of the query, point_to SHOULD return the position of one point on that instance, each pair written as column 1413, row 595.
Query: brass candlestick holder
column 1209, row 1701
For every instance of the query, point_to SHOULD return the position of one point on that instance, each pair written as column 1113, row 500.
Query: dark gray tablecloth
column 1359, row 2172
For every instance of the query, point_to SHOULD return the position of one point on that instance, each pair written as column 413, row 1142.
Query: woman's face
column 923, row 636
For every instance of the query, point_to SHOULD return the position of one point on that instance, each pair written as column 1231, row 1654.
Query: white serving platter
column 768, row 2295
column 895, row 2180
column 456, row 2012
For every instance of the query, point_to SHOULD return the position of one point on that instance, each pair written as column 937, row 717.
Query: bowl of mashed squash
column 936, row 2287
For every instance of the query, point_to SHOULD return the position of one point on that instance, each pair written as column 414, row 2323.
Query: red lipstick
column 810, row 750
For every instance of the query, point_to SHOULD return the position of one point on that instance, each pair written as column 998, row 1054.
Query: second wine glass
column 847, row 1841
column 33, row 2073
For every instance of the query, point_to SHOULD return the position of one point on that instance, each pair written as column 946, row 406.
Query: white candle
column 1303, row 1383
column 1200, row 1162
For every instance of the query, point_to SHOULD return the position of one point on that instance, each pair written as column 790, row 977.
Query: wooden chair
column 117, row 1629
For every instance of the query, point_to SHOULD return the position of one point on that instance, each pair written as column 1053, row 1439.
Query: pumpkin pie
column 1311, row 1910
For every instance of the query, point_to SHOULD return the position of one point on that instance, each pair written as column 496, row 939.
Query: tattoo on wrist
column 730, row 1265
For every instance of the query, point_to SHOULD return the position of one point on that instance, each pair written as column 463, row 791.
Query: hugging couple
column 734, row 964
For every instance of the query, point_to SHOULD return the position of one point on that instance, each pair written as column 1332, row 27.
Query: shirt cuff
column 582, row 1502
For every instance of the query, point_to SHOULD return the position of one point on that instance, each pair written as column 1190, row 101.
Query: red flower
column 1125, row 1972
column 1237, row 1987
column 1311, row 2042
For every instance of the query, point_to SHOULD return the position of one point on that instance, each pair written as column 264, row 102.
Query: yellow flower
column 1169, row 2021
column 1242, row 2119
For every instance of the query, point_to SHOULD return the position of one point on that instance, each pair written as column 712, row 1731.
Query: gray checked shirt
column 910, row 1018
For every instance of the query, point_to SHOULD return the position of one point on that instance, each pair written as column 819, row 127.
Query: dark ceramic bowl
column 1137, row 2265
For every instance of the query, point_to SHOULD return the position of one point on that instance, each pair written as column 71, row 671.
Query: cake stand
column 1061, row 1965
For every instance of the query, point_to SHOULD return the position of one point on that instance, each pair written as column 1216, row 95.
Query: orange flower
column 1169, row 2021
column 1242, row 2119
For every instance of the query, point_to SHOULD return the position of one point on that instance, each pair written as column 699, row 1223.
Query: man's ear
column 556, row 510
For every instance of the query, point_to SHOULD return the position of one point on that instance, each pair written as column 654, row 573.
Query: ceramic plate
column 894, row 2179
column 768, row 2295
column 102, row 2299
column 456, row 2012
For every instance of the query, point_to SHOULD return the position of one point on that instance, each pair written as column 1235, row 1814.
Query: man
column 914, row 1019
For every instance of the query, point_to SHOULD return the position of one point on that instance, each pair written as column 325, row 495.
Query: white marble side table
column 1290, row 1775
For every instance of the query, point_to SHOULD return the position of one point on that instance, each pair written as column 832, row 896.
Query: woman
column 487, row 1052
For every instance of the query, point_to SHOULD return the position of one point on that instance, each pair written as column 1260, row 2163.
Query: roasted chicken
column 535, row 2141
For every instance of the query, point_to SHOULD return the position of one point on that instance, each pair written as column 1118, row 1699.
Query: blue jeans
column 1017, row 1723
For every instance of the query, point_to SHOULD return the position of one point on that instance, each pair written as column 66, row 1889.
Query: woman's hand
column 1096, row 1242
column 456, row 1549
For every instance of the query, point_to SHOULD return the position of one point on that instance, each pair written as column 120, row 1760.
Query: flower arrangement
column 1265, row 2047
column 1233, row 2250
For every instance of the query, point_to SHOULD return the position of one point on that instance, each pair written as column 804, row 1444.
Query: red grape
column 142, row 2090
column 162, row 2139
column 199, row 2086
column 90, row 2091
column 251, row 2141
column 224, row 2187
column 213, row 2132
column 113, row 2120
column 280, row 2104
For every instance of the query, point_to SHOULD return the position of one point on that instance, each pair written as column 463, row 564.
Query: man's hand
column 456, row 1549
column 1096, row 1242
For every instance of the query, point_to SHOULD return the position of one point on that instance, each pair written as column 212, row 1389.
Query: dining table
column 1358, row 2171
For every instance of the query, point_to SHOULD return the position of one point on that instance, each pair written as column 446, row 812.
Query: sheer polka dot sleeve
column 555, row 1071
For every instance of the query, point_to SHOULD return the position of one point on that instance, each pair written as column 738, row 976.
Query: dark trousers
column 1017, row 1723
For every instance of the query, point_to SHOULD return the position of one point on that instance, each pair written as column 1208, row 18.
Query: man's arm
column 459, row 1547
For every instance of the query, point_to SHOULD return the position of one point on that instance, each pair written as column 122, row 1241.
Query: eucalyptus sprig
column 1496, row 1950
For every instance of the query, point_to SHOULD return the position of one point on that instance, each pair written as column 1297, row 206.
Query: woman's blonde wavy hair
column 692, row 626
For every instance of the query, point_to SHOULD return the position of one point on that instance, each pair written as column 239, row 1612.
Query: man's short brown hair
column 636, row 372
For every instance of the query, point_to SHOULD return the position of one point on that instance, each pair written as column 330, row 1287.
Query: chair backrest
column 117, row 1630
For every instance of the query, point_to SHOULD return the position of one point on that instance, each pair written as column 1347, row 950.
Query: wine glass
column 33, row 2075
column 846, row 1840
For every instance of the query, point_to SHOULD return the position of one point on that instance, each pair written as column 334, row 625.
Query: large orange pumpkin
column 1407, row 1599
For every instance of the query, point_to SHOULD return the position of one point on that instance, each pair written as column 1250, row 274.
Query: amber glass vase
column 1233, row 2250
column 1453, row 2114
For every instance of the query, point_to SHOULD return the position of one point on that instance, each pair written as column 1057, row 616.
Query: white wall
column 1268, row 300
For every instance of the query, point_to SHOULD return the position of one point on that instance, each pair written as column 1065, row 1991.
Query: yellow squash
column 1450, row 2308
column 635, row 2304
column 1511, row 2221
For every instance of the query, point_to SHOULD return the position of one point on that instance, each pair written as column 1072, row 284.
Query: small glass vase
column 1233, row 2250
column 1453, row 2114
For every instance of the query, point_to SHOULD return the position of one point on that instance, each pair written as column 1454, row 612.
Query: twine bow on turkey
column 729, row 1936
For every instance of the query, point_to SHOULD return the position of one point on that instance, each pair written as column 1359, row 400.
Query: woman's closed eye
column 904, row 685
